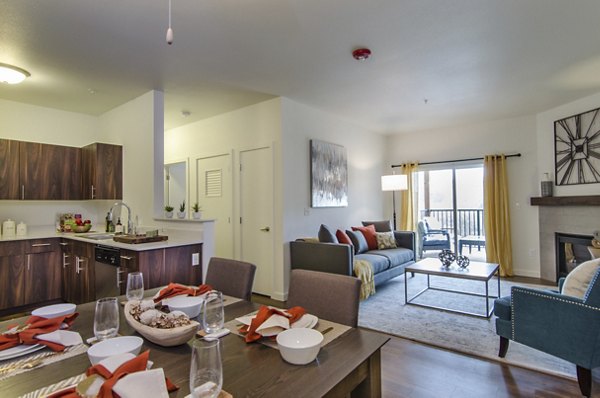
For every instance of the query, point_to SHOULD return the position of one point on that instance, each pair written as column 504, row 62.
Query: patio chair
column 560, row 325
column 431, row 238
column 231, row 277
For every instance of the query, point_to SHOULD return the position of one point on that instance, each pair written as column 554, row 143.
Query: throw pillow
column 343, row 237
column 577, row 281
column 380, row 226
column 386, row 240
column 326, row 235
column 369, row 233
column 358, row 241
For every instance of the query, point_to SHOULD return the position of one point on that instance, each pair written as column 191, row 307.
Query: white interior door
column 214, row 193
column 256, row 196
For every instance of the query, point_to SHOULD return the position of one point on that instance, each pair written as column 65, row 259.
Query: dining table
column 349, row 364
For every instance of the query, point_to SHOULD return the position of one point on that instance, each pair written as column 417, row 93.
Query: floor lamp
column 394, row 182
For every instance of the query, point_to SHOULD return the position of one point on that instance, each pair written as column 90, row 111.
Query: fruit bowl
column 81, row 228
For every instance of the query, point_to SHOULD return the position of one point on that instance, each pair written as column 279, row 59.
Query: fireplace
column 571, row 250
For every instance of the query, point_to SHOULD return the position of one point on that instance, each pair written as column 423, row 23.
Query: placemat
column 47, row 357
column 44, row 391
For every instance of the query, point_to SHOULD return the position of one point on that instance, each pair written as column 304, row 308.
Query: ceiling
column 435, row 63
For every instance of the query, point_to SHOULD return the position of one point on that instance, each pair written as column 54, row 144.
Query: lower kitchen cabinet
column 77, row 271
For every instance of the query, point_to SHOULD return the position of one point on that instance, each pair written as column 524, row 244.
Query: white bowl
column 299, row 346
column 114, row 346
column 190, row 305
column 53, row 311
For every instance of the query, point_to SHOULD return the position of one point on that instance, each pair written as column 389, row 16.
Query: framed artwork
column 328, row 175
column 577, row 149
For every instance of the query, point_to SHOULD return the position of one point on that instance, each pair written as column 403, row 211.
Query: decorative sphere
column 447, row 257
column 463, row 261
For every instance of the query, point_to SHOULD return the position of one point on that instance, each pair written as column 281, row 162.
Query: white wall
column 365, row 167
column 503, row 136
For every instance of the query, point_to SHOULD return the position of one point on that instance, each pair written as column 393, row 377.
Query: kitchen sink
column 96, row 236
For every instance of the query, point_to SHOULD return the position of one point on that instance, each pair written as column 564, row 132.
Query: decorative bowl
column 114, row 346
column 189, row 305
column 447, row 257
column 163, row 337
column 299, row 346
column 81, row 228
column 55, row 310
column 462, row 261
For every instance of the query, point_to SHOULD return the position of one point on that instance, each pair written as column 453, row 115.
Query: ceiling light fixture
column 361, row 54
column 186, row 113
column 169, row 30
column 12, row 74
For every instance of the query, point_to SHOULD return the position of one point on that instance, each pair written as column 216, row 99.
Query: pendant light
column 12, row 74
column 169, row 30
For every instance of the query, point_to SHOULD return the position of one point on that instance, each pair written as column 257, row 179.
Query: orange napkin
column 175, row 289
column 137, row 364
column 33, row 326
column 263, row 314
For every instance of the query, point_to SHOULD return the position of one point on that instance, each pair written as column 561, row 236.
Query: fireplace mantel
column 593, row 200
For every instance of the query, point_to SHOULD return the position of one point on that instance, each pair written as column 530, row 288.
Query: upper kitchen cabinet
column 102, row 166
column 9, row 169
column 49, row 172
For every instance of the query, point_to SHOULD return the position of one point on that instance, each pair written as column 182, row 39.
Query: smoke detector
column 361, row 54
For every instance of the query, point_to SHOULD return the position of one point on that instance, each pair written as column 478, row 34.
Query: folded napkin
column 175, row 289
column 34, row 328
column 254, row 332
column 124, row 376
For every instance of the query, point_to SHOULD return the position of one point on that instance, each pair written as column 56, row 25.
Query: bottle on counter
column 119, row 226
column 8, row 228
column 21, row 229
column 108, row 221
column 111, row 226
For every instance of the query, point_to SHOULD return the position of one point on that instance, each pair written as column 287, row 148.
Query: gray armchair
column 432, row 239
column 564, row 326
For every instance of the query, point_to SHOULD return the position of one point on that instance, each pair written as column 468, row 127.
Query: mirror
column 176, row 184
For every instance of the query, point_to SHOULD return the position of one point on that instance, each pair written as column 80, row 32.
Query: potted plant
column 196, row 214
column 181, row 212
column 169, row 211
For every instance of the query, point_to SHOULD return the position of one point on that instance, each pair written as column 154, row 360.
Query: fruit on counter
column 87, row 222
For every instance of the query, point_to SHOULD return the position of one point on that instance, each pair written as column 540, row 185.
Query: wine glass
column 213, row 316
column 135, row 286
column 106, row 318
column 206, row 370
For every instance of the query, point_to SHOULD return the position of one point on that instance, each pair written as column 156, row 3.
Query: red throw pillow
column 343, row 237
column 370, row 235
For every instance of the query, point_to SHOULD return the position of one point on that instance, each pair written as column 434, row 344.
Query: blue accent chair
column 564, row 326
column 432, row 239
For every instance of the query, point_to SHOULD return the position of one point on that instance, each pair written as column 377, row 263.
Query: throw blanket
column 364, row 271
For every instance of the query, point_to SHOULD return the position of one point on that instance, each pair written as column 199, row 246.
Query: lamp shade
column 394, row 182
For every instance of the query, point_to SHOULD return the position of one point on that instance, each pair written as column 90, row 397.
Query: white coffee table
column 476, row 271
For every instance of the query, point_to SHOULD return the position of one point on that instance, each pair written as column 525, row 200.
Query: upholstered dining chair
column 560, row 325
column 329, row 296
column 231, row 277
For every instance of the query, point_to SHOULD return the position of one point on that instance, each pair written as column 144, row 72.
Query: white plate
column 53, row 311
column 19, row 350
column 307, row 321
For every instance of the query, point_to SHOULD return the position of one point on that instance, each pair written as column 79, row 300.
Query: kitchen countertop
column 176, row 238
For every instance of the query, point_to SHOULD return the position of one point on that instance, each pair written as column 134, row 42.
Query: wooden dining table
column 349, row 364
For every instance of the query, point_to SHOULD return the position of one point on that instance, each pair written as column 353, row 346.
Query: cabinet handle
column 28, row 262
column 92, row 191
column 126, row 257
column 78, row 261
column 65, row 263
column 23, row 192
column 63, row 244
column 40, row 244
column 119, row 272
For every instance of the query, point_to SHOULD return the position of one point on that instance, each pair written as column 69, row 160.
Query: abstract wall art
column 328, row 175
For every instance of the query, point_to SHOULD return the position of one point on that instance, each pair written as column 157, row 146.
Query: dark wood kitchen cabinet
column 12, row 275
column 77, row 271
column 102, row 171
column 9, row 169
column 49, row 172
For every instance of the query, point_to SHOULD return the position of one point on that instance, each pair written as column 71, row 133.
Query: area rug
column 386, row 312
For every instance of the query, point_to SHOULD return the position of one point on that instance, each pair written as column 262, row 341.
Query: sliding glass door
column 450, row 207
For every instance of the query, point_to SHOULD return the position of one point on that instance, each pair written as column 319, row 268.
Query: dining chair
column 329, row 296
column 231, row 277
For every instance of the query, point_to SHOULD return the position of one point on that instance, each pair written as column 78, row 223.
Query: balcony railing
column 470, row 221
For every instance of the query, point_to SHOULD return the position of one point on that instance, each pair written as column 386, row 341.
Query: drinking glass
column 106, row 318
column 206, row 371
column 135, row 286
column 213, row 316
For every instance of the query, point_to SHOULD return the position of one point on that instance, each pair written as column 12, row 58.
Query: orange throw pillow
column 343, row 237
column 370, row 235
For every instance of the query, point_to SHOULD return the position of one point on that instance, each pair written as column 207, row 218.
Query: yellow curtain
column 498, row 246
column 407, row 210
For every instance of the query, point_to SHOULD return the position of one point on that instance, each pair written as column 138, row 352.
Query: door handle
column 266, row 229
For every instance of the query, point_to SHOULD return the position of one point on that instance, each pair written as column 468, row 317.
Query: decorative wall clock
column 577, row 149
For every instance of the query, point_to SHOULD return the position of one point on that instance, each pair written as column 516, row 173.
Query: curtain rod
column 514, row 155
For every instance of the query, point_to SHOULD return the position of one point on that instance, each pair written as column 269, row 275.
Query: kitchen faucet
column 129, row 222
